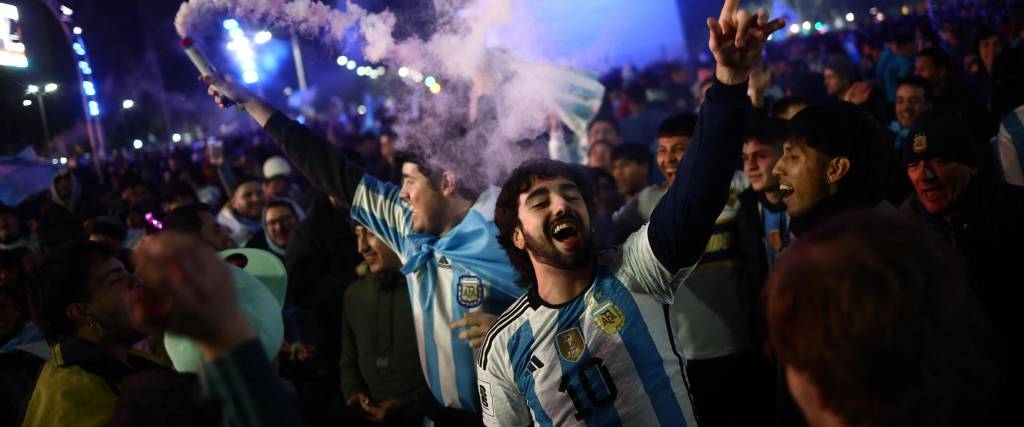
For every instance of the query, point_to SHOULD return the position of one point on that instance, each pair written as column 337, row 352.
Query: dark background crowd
column 917, row 115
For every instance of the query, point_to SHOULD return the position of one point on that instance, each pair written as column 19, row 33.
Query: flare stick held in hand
column 202, row 64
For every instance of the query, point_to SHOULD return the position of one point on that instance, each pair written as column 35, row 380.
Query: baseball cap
column 276, row 167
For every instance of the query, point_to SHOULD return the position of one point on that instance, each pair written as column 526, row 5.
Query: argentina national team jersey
column 464, row 271
column 607, row 357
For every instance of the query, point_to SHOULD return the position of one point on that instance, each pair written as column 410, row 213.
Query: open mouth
column 565, row 231
column 786, row 190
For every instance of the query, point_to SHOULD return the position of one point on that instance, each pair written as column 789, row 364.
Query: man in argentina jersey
column 590, row 342
column 456, row 271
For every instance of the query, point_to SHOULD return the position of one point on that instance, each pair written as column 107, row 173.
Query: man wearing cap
column 982, row 216
column 275, row 178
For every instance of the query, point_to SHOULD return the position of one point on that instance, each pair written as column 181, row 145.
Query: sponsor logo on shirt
column 485, row 398
column 443, row 263
column 570, row 344
column 471, row 291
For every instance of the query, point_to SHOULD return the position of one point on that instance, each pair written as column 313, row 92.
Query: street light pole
column 34, row 90
column 42, row 115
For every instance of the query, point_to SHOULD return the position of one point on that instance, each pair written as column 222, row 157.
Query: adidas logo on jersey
column 443, row 263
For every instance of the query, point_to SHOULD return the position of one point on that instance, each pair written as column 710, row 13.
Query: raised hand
column 736, row 40
column 858, row 93
column 226, row 86
column 188, row 289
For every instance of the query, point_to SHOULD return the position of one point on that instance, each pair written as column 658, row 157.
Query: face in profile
column 802, row 177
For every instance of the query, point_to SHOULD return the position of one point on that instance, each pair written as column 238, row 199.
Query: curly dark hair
column 63, row 279
column 506, row 211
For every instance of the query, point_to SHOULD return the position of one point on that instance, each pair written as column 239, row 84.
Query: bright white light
column 351, row 65
column 342, row 60
column 230, row 24
column 794, row 28
column 137, row 144
column 127, row 104
column 403, row 72
column 77, row 30
column 806, row 25
column 50, row 87
column 360, row 71
column 262, row 37
column 248, row 65
column 850, row 17
column 176, row 137
column 54, row 161
column 435, row 89
column 244, row 53
column 770, row 37
column 94, row 108
column 880, row 17
column 77, row 47
column 361, row 110
column 26, row 102
column 32, row 89
column 430, row 81
column 236, row 33
column 88, row 88
column 250, row 76
column 66, row 10
column 232, row 46
column 63, row 160
column 381, row 70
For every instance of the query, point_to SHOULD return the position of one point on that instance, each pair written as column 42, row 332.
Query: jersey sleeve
column 636, row 266
column 378, row 207
column 500, row 401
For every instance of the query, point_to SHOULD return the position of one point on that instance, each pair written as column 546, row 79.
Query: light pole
column 34, row 90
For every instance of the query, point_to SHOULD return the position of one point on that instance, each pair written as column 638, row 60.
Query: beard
column 545, row 252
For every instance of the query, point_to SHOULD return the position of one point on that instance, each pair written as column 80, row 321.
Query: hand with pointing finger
column 736, row 40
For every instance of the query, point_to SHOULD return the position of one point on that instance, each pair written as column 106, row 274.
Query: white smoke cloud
column 491, row 98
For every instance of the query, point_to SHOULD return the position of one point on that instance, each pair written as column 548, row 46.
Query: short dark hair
column 637, row 93
column 506, row 211
column 876, row 310
column 109, row 227
column 179, row 190
column 466, row 187
column 939, row 56
column 62, row 279
column 185, row 219
column 838, row 128
column 918, row 82
column 636, row 153
column 282, row 202
column 607, row 119
column 768, row 131
column 681, row 124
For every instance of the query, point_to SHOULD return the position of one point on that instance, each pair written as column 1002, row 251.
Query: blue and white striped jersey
column 462, row 272
column 608, row 357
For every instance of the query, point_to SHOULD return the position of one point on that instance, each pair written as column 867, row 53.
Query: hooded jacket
column 263, row 240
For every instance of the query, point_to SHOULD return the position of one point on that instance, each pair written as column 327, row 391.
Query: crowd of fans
column 861, row 270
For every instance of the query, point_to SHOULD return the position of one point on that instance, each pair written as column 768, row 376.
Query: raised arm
column 681, row 223
column 324, row 167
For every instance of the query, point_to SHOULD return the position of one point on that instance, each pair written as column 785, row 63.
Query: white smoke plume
column 491, row 98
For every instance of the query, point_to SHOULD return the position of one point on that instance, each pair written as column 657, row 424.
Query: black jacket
column 752, row 256
column 987, row 228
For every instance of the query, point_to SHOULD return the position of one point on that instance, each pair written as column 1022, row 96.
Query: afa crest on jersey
column 471, row 291
column 608, row 317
